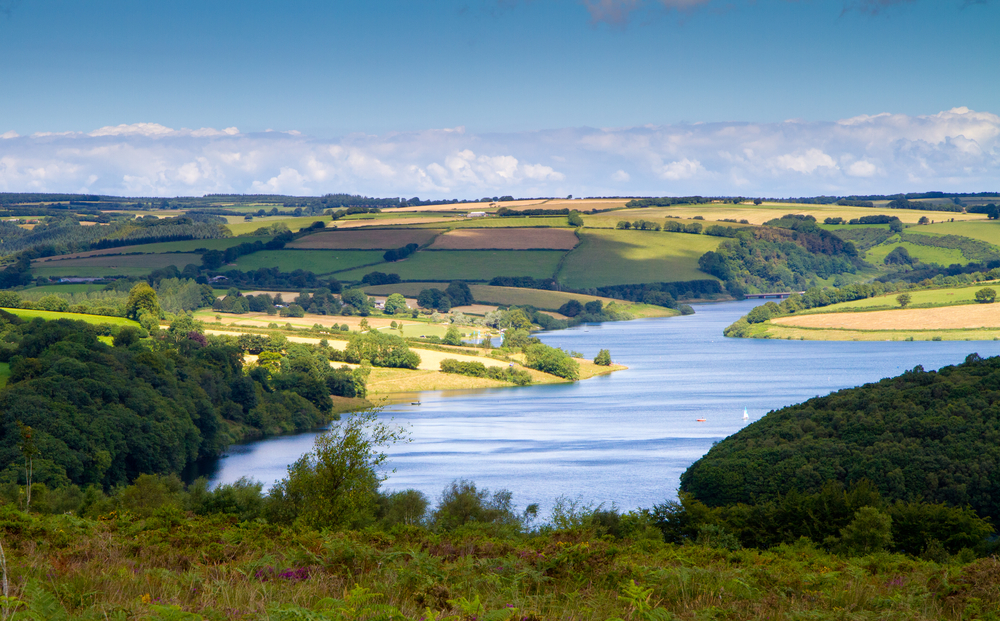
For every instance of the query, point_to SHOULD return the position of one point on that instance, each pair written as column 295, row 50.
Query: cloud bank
column 957, row 150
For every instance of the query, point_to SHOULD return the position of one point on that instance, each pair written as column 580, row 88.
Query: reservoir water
column 624, row 438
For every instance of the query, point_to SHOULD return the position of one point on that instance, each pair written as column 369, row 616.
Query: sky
column 464, row 99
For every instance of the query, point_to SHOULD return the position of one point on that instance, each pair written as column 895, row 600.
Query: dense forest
column 924, row 435
column 104, row 414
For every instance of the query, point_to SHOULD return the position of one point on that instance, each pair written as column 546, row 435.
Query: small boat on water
column 700, row 420
column 745, row 415
column 415, row 403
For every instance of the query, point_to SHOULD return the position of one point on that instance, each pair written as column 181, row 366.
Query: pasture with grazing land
column 315, row 261
column 926, row 254
column 983, row 230
column 128, row 265
column 189, row 245
column 506, row 239
column 51, row 315
column 610, row 257
column 363, row 239
column 446, row 265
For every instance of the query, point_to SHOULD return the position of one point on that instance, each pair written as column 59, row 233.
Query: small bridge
column 764, row 296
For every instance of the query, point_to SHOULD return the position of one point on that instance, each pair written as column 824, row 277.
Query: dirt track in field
column 941, row 318
column 506, row 239
column 363, row 239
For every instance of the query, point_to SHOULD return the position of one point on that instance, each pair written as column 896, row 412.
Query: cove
column 624, row 438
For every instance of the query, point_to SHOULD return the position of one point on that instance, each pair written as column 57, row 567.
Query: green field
column 110, row 265
column 190, row 245
column 918, row 299
column 316, row 261
column 467, row 265
column 49, row 315
column 239, row 226
column 490, row 223
column 926, row 254
column 69, row 288
column 610, row 257
column 984, row 230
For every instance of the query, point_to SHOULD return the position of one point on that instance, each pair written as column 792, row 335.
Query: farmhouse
column 476, row 214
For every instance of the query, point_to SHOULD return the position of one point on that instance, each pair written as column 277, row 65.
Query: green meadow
column 50, row 315
column 926, row 254
column 984, row 230
column 316, row 261
column 610, row 257
column 926, row 298
column 479, row 265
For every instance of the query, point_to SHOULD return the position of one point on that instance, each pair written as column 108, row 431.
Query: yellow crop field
column 758, row 214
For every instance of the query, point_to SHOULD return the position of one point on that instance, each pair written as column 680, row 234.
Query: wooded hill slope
column 924, row 435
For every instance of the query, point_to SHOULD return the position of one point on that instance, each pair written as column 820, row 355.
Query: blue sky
column 528, row 80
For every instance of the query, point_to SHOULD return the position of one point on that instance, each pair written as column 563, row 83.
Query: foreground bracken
column 178, row 566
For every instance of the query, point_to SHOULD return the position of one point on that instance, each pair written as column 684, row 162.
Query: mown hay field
column 316, row 261
column 491, row 222
column 758, row 214
column 969, row 316
column 506, row 239
column 796, row 333
column 926, row 254
column 363, row 239
column 108, row 265
column 984, row 230
column 432, row 222
column 610, row 257
column 466, row 265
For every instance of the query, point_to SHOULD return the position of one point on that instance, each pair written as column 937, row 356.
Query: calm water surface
column 623, row 438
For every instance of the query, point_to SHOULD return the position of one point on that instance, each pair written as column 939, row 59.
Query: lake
column 624, row 438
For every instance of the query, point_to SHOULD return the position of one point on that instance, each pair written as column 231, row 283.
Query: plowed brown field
column 506, row 239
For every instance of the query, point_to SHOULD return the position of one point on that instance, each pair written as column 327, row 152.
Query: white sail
column 745, row 415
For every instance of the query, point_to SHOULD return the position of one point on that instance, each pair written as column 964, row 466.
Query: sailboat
column 745, row 415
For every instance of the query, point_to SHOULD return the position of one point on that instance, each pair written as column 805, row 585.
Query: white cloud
column 862, row 168
column 954, row 150
column 680, row 170
column 805, row 163
column 9, row 135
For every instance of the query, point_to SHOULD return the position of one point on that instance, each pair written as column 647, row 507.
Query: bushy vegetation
column 380, row 349
column 769, row 259
column 551, row 360
column 478, row 369
column 924, row 435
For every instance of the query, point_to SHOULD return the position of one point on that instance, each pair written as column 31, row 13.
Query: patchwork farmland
column 506, row 239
